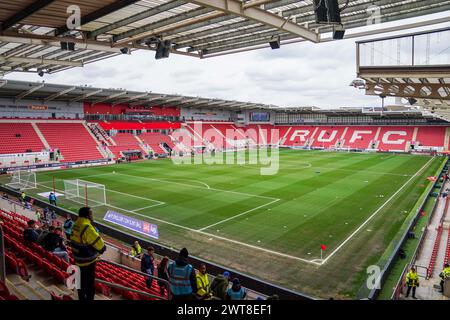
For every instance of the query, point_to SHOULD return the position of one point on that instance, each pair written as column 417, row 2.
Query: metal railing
column 153, row 277
column 422, row 49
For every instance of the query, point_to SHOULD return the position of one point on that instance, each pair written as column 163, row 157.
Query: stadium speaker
column 275, row 43
column 320, row 10
column 327, row 11
column 338, row 32
column 334, row 13
column 63, row 45
column 125, row 50
column 412, row 101
column 163, row 49
column 71, row 46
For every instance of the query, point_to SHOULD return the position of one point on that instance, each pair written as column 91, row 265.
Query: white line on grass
column 92, row 175
column 375, row 213
column 147, row 207
column 195, row 186
column 238, row 215
column 209, row 234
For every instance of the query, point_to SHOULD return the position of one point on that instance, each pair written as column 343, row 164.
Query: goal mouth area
column 85, row 192
column 22, row 180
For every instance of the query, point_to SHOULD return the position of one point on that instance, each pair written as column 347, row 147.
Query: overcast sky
column 302, row 74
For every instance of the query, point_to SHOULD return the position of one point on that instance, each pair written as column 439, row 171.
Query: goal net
column 23, row 180
column 85, row 192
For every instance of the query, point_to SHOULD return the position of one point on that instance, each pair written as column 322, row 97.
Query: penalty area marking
column 212, row 235
column 375, row 213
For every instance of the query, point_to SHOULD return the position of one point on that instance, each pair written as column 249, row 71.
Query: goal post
column 23, row 179
column 85, row 192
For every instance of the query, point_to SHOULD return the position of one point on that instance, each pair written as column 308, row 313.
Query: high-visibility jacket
column 86, row 243
column 179, row 278
column 202, row 284
column 445, row 274
column 135, row 250
column 412, row 279
column 236, row 295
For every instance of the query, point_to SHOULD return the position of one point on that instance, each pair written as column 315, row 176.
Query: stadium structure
column 298, row 202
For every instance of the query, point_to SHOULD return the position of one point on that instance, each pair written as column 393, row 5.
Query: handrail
column 118, row 286
column 140, row 273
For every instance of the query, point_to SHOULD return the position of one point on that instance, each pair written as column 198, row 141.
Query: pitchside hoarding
column 136, row 225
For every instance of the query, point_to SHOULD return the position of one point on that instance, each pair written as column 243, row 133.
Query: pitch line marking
column 190, row 185
column 238, row 215
column 213, row 235
column 375, row 213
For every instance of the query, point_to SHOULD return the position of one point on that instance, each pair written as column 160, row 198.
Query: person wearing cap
column 182, row 278
column 219, row 286
column 236, row 292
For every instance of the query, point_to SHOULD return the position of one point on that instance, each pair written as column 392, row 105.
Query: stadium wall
column 9, row 108
column 252, row 283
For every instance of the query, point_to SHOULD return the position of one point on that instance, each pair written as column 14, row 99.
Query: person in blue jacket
column 52, row 198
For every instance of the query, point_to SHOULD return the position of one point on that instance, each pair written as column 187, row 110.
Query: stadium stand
column 18, row 137
column 18, row 251
column 125, row 142
column 155, row 141
column 72, row 139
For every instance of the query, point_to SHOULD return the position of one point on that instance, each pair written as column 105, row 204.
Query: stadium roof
column 31, row 31
column 45, row 92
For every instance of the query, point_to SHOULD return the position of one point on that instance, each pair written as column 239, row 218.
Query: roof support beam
column 109, row 97
column 115, row 6
column 255, row 13
column 58, row 94
column 84, row 96
column 28, row 92
column 26, row 12
column 140, row 16
column 127, row 100
column 41, row 61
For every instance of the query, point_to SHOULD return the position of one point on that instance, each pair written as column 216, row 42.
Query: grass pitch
column 271, row 227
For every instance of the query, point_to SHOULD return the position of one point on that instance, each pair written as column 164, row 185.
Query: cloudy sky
column 302, row 74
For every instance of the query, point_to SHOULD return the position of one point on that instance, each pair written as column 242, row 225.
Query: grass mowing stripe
column 376, row 212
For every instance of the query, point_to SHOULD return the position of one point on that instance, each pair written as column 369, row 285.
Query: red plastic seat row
column 435, row 252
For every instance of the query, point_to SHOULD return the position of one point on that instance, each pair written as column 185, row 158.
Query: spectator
column 163, row 274
column 38, row 215
column 136, row 250
column 182, row 277
column 23, row 197
column 52, row 198
column 236, row 292
column 54, row 243
column 203, row 290
column 148, row 265
column 219, row 286
column 5, row 196
column 30, row 234
column 444, row 275
column 53, row 217
column 87, row 246
column 412, row 281
column 44, row 232
column 46, row 217
column 68, row 225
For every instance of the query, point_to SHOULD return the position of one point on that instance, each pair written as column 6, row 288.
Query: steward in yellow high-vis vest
column 87, row 245
column 412, row 281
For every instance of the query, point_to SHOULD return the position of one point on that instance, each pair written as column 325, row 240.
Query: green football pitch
column 270, row 226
